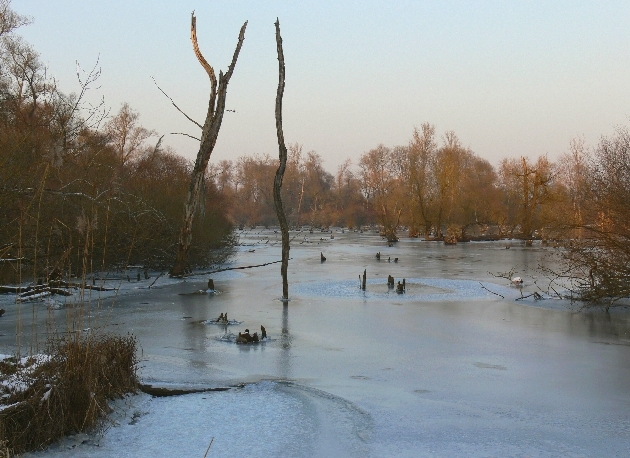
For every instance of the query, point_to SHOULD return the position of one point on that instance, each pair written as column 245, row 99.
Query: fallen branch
column 536, row 294
column 156, row 279
column 496, row 294
column 53, row 287
column 208, row 449
column 161, row 392
column 239, row 268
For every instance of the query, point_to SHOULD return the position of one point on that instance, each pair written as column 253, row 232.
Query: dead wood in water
column 240, row 268
column 277, row 182
column 161, row 392
column 496, row 294
column 209, row 134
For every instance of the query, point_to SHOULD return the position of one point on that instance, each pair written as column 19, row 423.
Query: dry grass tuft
column 68, row 392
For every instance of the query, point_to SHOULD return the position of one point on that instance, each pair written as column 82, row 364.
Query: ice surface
column 266, row 419
column 417, row 289
column 447, row 369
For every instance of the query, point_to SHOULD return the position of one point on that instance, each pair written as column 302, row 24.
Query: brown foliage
column 78, row 194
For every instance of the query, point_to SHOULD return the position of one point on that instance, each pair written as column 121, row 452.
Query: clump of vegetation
column 596, row 251
column 46, row 397
column 83, row 188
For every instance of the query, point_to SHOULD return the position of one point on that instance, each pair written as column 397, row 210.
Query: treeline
column 81, row 190
column 428, row 187
column 442, row 190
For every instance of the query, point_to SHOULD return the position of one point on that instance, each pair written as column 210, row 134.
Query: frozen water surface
column 447, row 369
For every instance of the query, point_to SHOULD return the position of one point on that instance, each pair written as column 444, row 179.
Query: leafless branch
column 496, row 294
column 175, row 105
column 239, row 268
column 204, row 63
column 187, row 135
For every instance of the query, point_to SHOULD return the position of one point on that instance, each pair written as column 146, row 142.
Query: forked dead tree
column 277, row 182
column 209, row 134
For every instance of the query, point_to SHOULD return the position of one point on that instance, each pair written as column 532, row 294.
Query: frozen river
column 447, row 369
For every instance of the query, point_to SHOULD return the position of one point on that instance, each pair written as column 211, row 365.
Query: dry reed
column 69, row 392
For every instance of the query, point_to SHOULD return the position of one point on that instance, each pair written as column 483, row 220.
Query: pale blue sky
column 509, row 77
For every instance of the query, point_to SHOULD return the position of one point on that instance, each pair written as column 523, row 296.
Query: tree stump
column 211, row 284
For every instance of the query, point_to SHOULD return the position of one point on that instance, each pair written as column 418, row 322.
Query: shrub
column 66, row 391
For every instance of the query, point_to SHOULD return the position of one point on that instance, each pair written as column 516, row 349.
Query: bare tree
column 277, row 182
column 528, row 186
column 598, row 263
column 125, row 135
column 209, row 134
column 9, row 19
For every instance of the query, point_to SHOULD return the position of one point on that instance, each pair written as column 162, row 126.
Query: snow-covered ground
column 450, row 368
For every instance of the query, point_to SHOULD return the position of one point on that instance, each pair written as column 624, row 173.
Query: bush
column 68, row 390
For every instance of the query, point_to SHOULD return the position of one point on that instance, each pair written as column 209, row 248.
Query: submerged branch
column 239, row 268
column 496, row 294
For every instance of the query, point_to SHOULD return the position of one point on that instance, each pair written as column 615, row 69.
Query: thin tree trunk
column 277, row 182
column 297, row 223
column 209, row 134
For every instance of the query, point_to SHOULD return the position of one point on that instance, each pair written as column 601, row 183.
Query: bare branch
column 175, row 105
column 496, row 294
column 158, row 145
column 239, row 45
column 187, row 135
column 204, row 63
column 239, row 268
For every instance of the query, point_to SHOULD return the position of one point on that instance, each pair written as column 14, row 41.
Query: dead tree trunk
column 277, row 182
column 209, row 134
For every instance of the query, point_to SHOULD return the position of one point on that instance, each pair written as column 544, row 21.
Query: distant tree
column 480, row 198
column 573, row 179
column 347, row 204
column 449, row 169
column 422, row 186
column 9, row 19
column 528, row 187
column 382, row 187
column 126, row 136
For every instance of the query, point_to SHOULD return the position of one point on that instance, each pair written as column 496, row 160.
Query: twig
column 187, row 135
column 557, row 293
column 156, row 279
column 496, row 294
column 536, row 295
column 208, row 449
column 175, row 105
